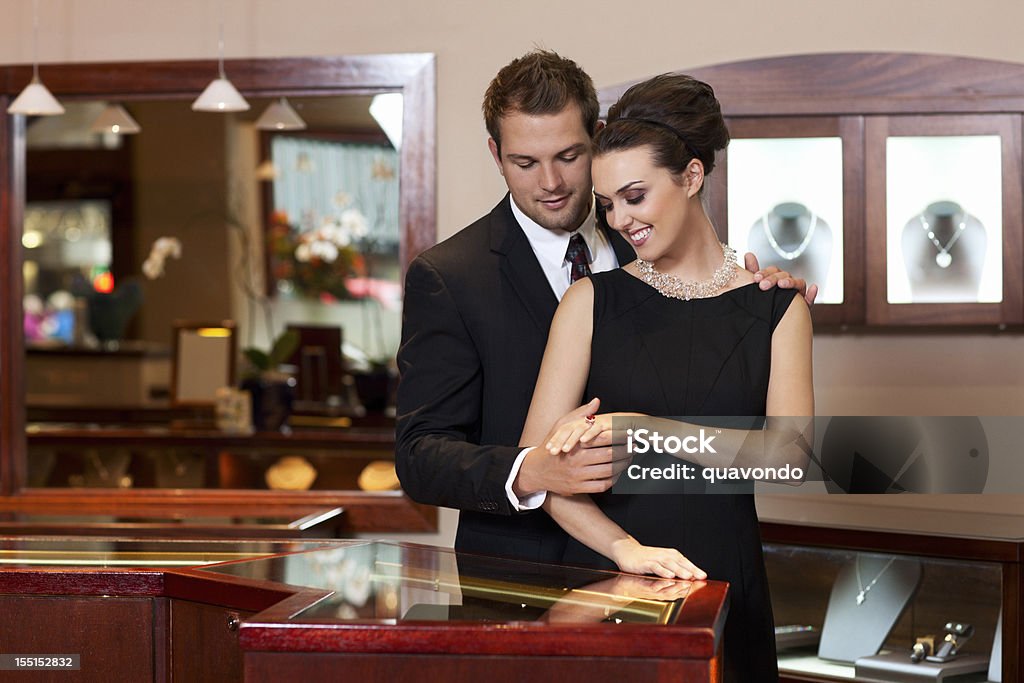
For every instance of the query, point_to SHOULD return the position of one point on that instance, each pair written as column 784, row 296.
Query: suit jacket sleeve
column 438, row 459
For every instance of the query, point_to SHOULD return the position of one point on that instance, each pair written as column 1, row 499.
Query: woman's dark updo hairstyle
column 676, row 115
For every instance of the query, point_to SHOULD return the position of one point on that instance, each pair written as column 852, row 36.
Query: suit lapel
column 520, row 266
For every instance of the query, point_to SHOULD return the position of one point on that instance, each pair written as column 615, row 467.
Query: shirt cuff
column 528, row 502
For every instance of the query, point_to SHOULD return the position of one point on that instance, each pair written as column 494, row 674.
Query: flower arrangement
column 320, row 262
column 162, row 249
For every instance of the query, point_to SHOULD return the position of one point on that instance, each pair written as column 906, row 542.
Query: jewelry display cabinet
column 943, row 201
column 852, row 604
column 893, row 181
column 367, row 611
column 786, row 196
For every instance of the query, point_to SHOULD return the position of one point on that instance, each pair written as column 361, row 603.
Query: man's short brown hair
column 540, row 82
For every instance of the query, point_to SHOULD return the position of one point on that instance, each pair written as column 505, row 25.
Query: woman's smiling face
column 647, row 204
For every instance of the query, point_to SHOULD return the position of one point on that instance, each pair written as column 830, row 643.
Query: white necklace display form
column 944, row 253
column 860, row 616
column 800, row 248
column 794, row 237
column 943, row 258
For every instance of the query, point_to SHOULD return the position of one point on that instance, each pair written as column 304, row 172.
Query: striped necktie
column 576, row 255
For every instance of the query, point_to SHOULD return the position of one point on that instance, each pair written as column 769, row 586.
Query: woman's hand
column 667, row 563
column 592, row 430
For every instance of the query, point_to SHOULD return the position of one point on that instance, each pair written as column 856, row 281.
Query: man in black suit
column 477, row 311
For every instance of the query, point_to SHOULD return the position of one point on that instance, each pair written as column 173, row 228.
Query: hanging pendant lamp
column 280, row 116
column 115, row 119
column 220, row 95
column 35, row 99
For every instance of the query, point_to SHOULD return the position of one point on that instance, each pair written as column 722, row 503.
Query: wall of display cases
column 892, row 181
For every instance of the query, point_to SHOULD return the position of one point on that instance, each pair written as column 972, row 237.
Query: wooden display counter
column 269, row 611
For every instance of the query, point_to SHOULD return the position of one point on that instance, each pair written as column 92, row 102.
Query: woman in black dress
column 682, row 331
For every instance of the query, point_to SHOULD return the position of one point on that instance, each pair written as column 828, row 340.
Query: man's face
column 545, row 160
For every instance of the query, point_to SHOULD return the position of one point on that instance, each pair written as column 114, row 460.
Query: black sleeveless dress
column 707, row 357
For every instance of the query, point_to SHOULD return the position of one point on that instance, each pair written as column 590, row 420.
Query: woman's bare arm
column 560, row 385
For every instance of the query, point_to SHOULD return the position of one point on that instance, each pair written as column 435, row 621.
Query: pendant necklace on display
column 789, row 255
column 943, row 258
column 863, row 594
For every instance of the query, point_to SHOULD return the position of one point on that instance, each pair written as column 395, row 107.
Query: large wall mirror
column 108, row 238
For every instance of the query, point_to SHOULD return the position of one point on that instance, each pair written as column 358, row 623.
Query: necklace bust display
column 794, row 238
column 944, row 253
column 869, row 595
column 677, row 288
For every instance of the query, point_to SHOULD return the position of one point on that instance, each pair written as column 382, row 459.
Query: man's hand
column 772, row 276
column 585, row 468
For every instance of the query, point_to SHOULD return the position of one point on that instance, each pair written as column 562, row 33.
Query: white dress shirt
column 550, row 246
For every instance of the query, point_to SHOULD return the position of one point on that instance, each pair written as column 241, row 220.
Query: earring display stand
column 868, row 596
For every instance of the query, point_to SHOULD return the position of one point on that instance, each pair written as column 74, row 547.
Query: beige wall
column 615, row 42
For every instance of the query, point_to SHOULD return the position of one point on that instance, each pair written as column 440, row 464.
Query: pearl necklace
column 677, row 288
column 789, row 255
column 943, row 258
column 863, row 594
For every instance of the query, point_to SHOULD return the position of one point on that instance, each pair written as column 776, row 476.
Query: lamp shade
column 220, row 96
column 115, row 119
column 280, row 116
column 35, row 100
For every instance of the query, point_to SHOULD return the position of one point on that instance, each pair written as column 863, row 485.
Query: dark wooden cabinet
column 866, row 104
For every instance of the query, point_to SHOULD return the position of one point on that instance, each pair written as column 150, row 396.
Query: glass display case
column 851, row 604
column 944, row 219
column 786, row 202
column 787, row 190
column 162, row 610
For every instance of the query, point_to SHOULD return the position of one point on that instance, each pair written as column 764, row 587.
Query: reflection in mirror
column 204, row 361
column 273, row 227
column 126, row 233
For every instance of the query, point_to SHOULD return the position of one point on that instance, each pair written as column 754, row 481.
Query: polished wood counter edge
column 978, row 517
column 275, row 628
column 363, row 511
column 63, row 434
column 894, row 541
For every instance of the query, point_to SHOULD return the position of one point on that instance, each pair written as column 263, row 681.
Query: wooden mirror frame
column 411, row 74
